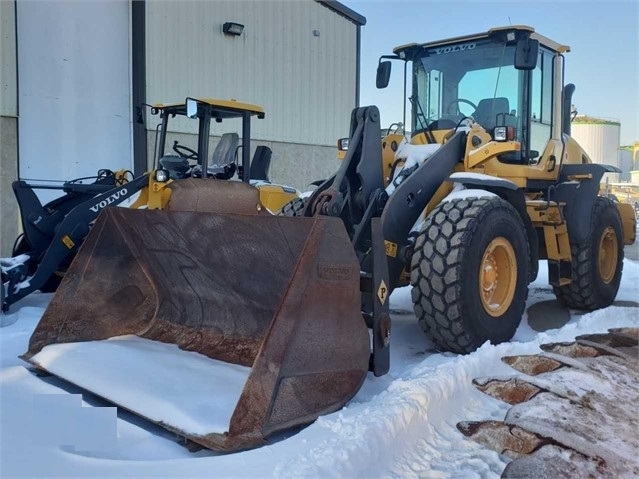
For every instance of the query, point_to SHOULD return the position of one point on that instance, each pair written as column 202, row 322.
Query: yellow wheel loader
column 227, row 324
column 537, row 192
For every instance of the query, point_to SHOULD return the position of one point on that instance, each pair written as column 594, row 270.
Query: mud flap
column 276, row 297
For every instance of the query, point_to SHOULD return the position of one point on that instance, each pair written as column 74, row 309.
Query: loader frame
column 69, row 233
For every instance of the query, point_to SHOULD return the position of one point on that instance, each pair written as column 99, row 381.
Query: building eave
column 343, row 10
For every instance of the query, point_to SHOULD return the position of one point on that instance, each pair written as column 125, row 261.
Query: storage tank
column 634, row 173
column 625, row 163
column 600, row 139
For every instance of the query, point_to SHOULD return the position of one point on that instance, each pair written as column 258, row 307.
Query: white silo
column 634, row 173
column 600, row 139
column 625, row 163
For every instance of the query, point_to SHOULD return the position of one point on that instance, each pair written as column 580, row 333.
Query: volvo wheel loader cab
column 230, row 158
column 535, row 190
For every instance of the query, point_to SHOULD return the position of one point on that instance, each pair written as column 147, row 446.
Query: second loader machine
column 53, row 232
column 278, row 319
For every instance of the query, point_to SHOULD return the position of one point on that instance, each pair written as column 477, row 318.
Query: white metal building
column 600, row 139
column 74, row 74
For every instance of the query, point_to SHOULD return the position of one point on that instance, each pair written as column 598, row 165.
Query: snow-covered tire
column 465, row 246
column 597, row 262
column 295, row 207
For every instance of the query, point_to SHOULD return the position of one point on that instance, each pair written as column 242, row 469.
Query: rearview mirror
column 191, row 108
column 526, row 54
column 383, row 74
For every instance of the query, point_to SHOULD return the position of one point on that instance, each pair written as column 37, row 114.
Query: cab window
column 541, row 105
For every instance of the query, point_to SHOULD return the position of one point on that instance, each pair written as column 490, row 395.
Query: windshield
column 475, row 79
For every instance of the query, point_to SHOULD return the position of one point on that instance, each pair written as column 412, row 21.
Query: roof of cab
column 221, row 108
column 544, row 41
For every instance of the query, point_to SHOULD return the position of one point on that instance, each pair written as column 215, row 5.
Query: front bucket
column 221, row 328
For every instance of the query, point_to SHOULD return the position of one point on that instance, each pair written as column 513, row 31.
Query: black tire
column 455, row 244
column 589, row 290
column 295, row 207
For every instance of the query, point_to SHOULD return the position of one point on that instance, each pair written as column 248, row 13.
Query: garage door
column 73, row 88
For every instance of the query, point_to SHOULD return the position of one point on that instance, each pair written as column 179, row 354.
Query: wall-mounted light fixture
column 232, row 28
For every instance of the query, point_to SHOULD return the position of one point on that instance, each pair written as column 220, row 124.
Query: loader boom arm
column 68, row 238
column 356, row 193
column 408, row 201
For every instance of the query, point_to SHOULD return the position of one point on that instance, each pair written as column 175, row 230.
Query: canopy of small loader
column 267, row 306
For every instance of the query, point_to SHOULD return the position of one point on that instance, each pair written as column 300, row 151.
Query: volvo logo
column 106, row 202
column 455, row 48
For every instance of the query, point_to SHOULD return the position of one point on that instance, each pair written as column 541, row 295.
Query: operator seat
column 261, row 163
column 222, row 165
column 224, row 152
column 488, row 109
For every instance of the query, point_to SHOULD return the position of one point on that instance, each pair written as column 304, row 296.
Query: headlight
column 500, row 133
column 504, row 133
column 161, row 176
column 342, row 144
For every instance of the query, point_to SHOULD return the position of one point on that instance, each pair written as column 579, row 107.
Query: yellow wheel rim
column 608, row 255
column 497, row 277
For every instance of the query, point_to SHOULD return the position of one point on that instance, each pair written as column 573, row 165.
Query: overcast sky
column 603, row 37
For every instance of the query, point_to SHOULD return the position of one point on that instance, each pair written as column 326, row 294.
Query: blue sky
column 603, row 36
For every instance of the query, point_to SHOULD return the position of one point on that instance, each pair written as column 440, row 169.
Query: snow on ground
column 399, row 425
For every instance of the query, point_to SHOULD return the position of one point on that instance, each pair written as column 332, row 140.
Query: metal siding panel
column 8, row 95
column 306, row 84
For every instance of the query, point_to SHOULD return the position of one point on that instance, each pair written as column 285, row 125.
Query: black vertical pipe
column 246, row 147
column 357, row 65
column 162, row 145
column 203, row 136
column 138, row 87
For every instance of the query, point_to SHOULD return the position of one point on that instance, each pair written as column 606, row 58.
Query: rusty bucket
column 222, row 328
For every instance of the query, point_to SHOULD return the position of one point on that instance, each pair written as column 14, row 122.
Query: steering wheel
column 184, row 151
column 456, row 102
